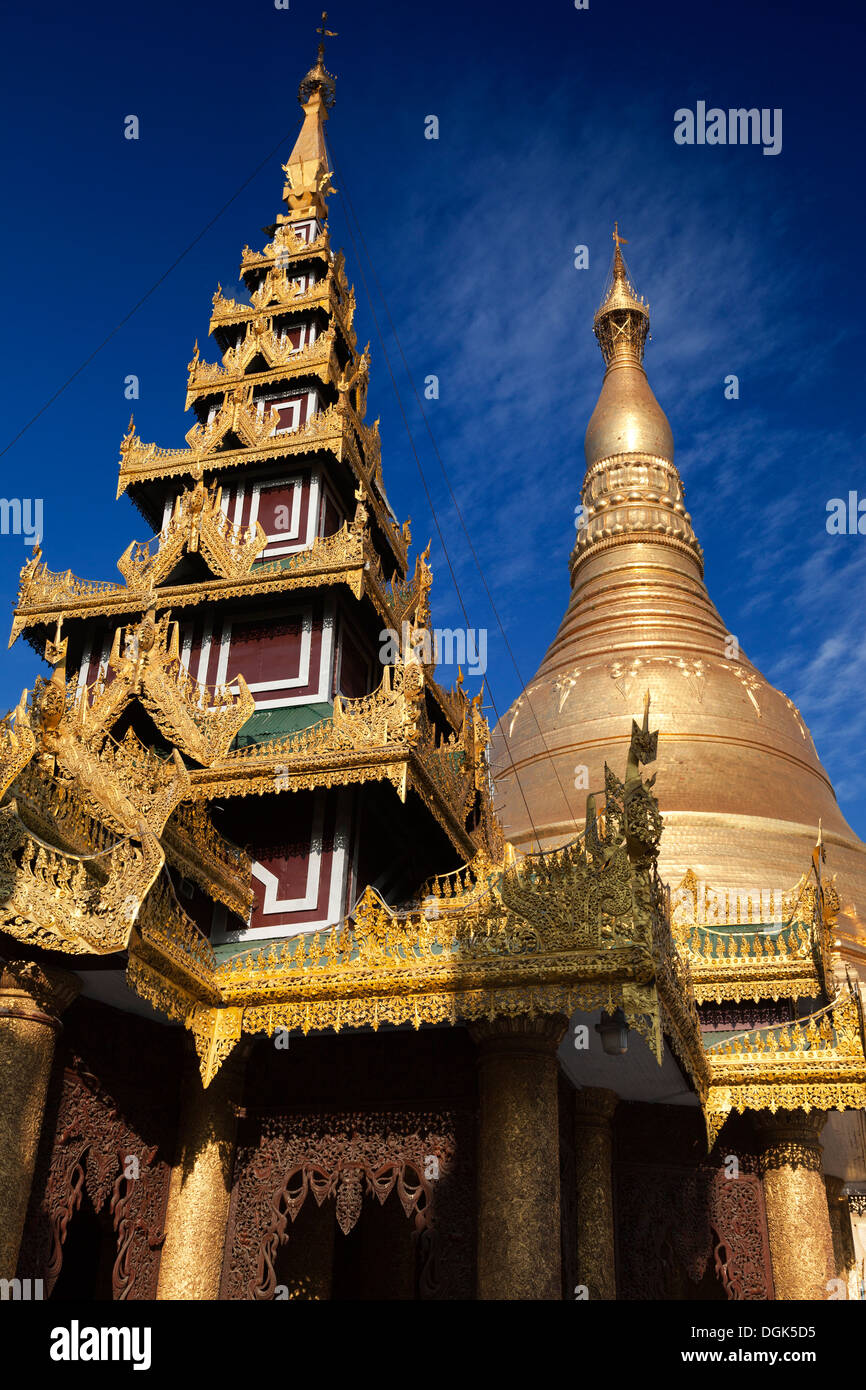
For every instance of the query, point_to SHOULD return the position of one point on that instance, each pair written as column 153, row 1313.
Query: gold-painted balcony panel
column 140, row 462
column 815, row 1063
column 166, row 934
column 740, row 947
column 279, row 293
column 195, row 848
column 337, row 429
column 284, row 250
column 582, row 928
column 284, row 362
column 347, row 557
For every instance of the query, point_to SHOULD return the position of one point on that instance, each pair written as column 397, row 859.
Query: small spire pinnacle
column 326, row 34
column 627, row 418
column 622, row 321
column 308, row 177
column 318, row 79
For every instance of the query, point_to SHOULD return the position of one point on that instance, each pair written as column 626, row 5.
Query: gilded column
column 798, row 1221
column 518, row 1159
column 840, row 1227
column 200, row 1189
column 593, row 1148
column 31, row 1002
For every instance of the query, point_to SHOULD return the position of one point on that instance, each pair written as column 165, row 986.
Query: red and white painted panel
column 287, row 508
column 306, row 231
column 94, row 659
column 285, row 656
column 294, row 409
column 354, row 664
column 301, row 866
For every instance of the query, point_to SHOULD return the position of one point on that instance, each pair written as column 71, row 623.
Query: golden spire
column 621, row 323
column 306, row 169
column 318, row 79
column 627, row 418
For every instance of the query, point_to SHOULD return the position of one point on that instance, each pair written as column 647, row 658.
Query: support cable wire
column 423, row 478
column 473, row 552
column 272, row 154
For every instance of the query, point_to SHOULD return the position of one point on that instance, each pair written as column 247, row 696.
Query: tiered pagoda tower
column 279, row 563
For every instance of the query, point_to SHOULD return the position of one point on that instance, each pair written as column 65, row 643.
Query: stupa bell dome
column 739, row 781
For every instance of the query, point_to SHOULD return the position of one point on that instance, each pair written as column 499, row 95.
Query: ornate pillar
column 31, row 1002
column 593, row 1148
column 200, row 1189
column 840, row 1227
column 798, row 1222
column 518, row 1159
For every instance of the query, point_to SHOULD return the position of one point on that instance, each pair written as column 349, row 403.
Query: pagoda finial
column 326, row 34
column 308, row 177
column 622, row 321
column 318, row 79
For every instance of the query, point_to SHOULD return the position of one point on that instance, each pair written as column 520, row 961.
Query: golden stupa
column 740, row 783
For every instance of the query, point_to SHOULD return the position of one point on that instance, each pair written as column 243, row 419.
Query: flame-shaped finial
column 318, row 79
column 622, row 321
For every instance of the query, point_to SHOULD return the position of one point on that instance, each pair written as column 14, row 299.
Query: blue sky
column 553, row 122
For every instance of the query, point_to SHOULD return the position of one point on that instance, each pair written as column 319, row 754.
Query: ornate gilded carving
column 641, row 496
column 346, row 1158
column 681, row 1227
column 199, row 720
column 198, row 524
column 385, row 735
column 215, row 1032
column 500, row 940
column 286, row 247
column 260, row 340
column 68, row 902
column 348, row 556
column 278, row 293
column 103, row 802
column 199, row 852
column 816, row 1063
column 98, row 1151
column 17, row 744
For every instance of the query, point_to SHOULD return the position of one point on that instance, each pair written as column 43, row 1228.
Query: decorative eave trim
column 331, row 430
